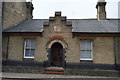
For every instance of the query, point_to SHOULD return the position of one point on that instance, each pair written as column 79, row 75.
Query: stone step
column 54, row 70
column 51, row 72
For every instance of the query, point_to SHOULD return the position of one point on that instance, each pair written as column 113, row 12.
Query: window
column 86, row 49
column 29, row 48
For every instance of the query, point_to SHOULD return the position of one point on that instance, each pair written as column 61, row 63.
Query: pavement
column 32, row 76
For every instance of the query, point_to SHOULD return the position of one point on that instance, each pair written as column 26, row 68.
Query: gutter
column 96, row 32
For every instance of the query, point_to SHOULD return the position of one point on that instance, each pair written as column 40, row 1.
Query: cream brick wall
column 73, row 51
column 16, row 48
column 40, row 51
column 104, row 50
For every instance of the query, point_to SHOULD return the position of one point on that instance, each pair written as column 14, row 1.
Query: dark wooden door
column 56, row 55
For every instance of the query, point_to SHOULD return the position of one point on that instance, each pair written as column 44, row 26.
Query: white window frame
column 28, row 48
column 86, row 50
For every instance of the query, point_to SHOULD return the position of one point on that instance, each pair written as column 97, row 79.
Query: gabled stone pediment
column 58, row 18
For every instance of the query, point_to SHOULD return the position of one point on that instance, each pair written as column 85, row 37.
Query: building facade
column 79, row 46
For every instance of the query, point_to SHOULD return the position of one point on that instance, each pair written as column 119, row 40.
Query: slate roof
column 78, row 25
column 27, row 26
column 95, row 26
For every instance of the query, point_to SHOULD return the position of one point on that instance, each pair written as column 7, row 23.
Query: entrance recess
column 56, row 49
column 57, row 54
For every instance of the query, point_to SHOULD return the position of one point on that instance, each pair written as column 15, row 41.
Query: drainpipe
column 7, row 47
column 0, row 37
column 115, row 51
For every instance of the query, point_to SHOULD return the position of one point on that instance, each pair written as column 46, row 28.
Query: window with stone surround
column 29, row 48
column 86, row 50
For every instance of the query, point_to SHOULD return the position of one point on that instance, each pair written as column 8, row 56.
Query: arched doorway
column 56, row 49
column 57, row 55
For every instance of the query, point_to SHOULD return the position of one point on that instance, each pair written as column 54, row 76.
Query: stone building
column 73, row 46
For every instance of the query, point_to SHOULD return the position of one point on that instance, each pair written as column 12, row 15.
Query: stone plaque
column 57, row 28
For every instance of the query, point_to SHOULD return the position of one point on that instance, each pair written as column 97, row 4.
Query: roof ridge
column 85, row 19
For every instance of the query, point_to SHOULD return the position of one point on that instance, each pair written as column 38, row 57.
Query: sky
column 73, row 9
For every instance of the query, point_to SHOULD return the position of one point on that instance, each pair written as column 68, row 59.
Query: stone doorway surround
column 52, row 43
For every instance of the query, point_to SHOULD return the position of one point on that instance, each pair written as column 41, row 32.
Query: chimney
column 101, row 11
column 29, row 10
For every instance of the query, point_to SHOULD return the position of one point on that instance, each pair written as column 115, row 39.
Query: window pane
column 29, row 53
column 85, row 45
column 88, row 45
column 27, row 43
column 82, row 45
column 30, row 43
column 85, row 54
